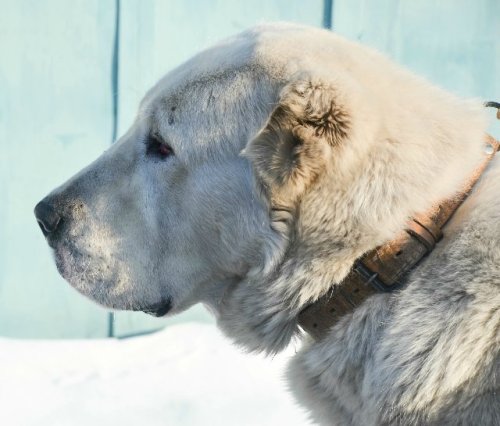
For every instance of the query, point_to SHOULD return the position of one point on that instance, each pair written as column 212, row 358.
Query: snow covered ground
column 184, row 375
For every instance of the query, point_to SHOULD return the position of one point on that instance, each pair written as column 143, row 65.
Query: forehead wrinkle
column 174, row 96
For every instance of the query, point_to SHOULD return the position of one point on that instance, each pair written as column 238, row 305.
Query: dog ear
column 290, row 152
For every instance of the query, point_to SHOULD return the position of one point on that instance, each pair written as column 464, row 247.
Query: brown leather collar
column 383, row 269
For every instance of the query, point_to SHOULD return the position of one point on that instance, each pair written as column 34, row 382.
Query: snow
column 184, row 375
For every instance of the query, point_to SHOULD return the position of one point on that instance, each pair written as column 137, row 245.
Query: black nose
column 47, row 217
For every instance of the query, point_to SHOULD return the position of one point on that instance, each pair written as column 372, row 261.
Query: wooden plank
column 55, row 117
column 453, row 43
column 156, row 36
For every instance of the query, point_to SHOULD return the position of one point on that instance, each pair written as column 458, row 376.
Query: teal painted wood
column 55, row 110
column 158, row 35
column 453, row 43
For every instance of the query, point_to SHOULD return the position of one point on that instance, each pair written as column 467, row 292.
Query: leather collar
column 384, row 268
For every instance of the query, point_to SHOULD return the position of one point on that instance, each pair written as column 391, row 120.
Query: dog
column 254, row 177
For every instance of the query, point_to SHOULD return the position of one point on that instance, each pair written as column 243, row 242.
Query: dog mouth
column 158, row 309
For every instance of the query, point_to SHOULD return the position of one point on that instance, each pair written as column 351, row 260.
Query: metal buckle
column 373, row 279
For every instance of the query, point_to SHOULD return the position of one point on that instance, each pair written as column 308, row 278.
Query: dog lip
column 159, row 309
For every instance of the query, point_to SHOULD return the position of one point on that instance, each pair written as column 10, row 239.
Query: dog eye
column 158, row 148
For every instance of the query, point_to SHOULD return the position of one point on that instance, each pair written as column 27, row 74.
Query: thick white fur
column 296, row 151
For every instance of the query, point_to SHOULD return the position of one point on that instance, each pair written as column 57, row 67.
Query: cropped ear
column 290, row 152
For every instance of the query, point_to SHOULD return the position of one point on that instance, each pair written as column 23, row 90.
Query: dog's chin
column 81, row 270
column 101, row 283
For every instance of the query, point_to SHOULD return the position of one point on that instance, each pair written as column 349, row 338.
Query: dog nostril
column 47, row 217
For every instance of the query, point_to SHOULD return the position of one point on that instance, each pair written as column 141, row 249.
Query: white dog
column 255, row 176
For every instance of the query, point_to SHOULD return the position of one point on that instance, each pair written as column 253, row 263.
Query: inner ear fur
column 289, row 153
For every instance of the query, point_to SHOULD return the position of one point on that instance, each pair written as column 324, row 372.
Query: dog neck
column 385, row 268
